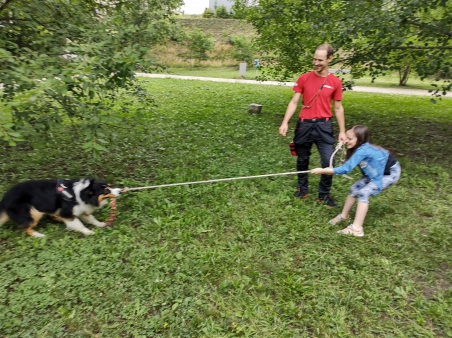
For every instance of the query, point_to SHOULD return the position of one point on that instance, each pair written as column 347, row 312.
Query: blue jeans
column 364, row 187
column 320, row 134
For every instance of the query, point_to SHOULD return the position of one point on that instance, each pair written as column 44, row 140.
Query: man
column 318, row 88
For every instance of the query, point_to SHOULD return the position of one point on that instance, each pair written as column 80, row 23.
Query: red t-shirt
column 308, row 85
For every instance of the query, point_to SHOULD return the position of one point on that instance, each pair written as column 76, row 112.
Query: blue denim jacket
column 372, row 161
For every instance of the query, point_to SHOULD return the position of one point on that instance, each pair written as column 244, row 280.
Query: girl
column 380, row 170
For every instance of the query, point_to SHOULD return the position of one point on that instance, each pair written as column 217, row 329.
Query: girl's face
column 351, row 139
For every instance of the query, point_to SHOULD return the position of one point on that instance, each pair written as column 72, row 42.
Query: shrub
column 198, row 44
column 222, row 13
column 243, row 48
column 208, row 13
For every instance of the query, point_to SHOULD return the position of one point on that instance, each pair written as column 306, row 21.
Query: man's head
column 326, row 47
column 322, row 57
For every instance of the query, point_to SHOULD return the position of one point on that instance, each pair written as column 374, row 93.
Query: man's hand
column 291, row 107
column 342, row 137
column 283, row 129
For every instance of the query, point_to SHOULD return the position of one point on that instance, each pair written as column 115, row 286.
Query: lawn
column 240, row 258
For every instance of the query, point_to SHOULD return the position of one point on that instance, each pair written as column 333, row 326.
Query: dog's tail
column 3, row 215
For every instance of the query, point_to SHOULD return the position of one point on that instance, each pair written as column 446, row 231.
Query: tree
column 198, row 44
column 208, row 13
column 221, row 12
column 368, row 33
column 243, row 48
column 65, row 60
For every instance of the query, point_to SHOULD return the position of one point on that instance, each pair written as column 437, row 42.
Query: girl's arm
column 359, row 155
column 322, row 171
column 348, row 166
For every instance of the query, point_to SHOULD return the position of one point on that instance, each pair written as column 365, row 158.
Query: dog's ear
column 90, row 186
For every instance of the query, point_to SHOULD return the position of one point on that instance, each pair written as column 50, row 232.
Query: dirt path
column 398, row 91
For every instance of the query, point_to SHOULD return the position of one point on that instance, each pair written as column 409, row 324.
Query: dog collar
column 62, row 189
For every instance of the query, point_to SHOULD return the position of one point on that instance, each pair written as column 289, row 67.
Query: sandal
column 337, row 219
column 350, row 230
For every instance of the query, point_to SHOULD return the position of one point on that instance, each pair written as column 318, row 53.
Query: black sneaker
column 328, row 200
column 300, row 194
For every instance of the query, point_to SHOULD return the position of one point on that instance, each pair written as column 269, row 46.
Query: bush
column 243, row 48
column 177, row 33
column 222, row 13
column 198, row 44
column 208, row 13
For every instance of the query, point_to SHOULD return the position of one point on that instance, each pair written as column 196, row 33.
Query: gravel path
column 399, row 91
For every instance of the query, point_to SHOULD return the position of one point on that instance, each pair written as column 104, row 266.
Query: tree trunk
column 404, row 72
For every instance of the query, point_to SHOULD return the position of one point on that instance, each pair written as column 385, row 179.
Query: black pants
column 320, row 134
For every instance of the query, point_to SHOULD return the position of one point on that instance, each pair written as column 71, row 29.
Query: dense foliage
column 243, row 48
column 373, row 36
column 65, row 60
column 198, row 44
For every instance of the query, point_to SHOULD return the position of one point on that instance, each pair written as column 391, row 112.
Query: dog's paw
column 88, row 232
column 101, row 224
column 38, row 234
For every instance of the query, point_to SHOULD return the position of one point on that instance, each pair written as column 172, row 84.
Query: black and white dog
column 64, row 200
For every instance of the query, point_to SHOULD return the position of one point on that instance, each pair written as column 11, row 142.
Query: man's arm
column 291, row 108
column 340, row 117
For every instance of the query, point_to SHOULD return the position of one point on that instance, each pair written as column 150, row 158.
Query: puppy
column 68, row 201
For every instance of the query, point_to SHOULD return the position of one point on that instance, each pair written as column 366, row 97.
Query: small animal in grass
column 67, row 200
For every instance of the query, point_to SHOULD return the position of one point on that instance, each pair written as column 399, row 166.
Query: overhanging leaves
column 374, row 36
column 64, row 61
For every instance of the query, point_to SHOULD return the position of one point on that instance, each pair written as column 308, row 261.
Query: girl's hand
column 317, row 171
column 324, row 171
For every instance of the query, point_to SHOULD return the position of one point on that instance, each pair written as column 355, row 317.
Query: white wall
column 226, row 3
column 195, row 6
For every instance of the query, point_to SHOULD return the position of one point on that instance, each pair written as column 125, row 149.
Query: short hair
column 329, row 49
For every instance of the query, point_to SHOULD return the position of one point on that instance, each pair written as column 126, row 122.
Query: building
column 226, row 3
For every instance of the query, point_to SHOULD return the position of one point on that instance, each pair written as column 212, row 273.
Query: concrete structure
column 226, row 3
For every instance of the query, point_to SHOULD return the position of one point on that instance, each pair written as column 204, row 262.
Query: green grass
column 241, row 258
column 389, row 80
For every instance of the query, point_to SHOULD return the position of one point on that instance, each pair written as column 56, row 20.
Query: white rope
column 216, row 180
column 338, row 147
